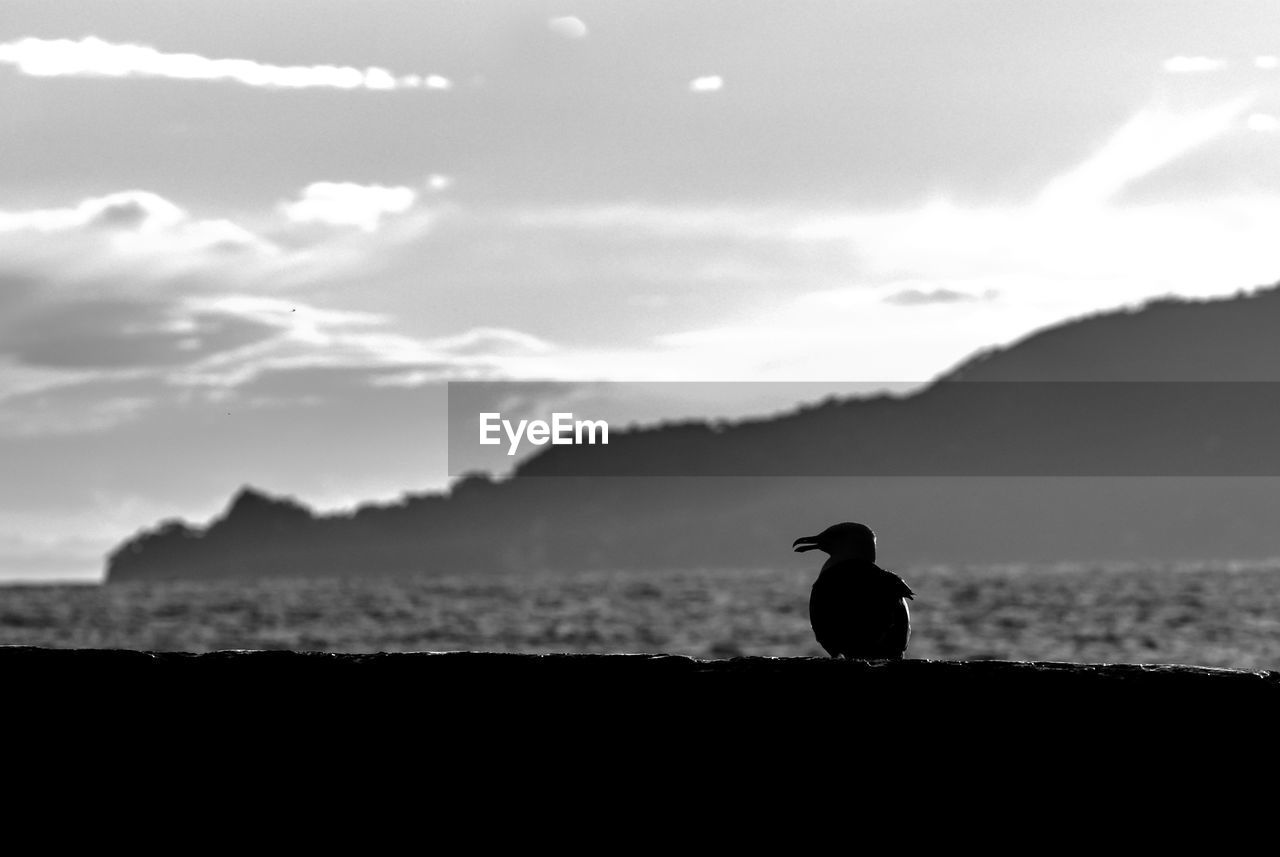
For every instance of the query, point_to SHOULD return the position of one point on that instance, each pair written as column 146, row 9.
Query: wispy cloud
column 709, row 83
column 923, row 297
column 18, row 379
column 491, row 341
column 94, row 57
column 90, row 368
column 1153, row 138
column 317, row 339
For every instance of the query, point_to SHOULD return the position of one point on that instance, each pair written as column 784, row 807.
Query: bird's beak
column 805, row 543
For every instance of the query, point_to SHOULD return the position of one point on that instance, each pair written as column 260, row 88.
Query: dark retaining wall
column 611, row 750
column 452, row 681
column 777, row 717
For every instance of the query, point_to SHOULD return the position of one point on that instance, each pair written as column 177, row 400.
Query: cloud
column 1266, row 61
column 120, row 250
column 135, row 244
column 94, row 57
column 493, row 341
column 214, row 339
column 105, row 334
column 283, row 313
column 921, row 297
column 306, row 337
column 1193, row 65
column 131, row 285
column 89, row 367
column 300, row 336
column 568, row 27
column 132, row 209
column 709, row 83
column 349, row 204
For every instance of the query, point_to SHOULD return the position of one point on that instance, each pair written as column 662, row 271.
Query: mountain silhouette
column 1167, row 339
column 1048, row 460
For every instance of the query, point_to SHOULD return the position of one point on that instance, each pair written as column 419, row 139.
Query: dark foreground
column 228, row 671
column 290, row 726
column 429, row 692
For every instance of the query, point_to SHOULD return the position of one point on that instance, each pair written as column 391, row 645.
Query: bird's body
column 857, row 609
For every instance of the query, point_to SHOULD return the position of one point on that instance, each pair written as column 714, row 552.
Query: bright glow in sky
column 234, row 253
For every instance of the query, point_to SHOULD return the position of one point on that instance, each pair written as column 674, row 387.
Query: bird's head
column 841, row 541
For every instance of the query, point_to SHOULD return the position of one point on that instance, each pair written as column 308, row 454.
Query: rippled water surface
column 1216, row 614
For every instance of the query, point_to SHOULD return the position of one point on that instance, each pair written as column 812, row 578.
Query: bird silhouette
column 856, row 608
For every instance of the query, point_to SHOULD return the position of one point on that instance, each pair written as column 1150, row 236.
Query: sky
column 247, row 242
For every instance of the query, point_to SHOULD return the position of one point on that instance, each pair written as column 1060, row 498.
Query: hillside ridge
column 958, row 472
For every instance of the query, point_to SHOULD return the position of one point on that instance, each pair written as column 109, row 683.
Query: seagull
column 857, row 609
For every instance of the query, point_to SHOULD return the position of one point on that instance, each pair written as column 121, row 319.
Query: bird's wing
column 894, row 584
column 897, row 631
